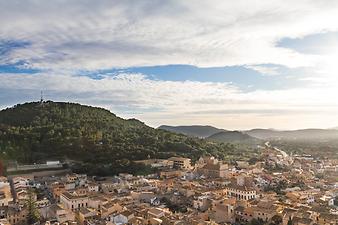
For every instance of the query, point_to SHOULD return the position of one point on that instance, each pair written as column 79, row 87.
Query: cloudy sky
column 233, row 64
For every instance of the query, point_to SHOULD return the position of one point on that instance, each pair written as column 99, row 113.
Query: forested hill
column 34, row 132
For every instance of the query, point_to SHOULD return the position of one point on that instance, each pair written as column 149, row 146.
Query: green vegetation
column 322, row 149
column 275, row 220
column 193, row 131
column 33, row 213
column 255, row 221
column 34, row 132
column 1, row 168
column 174, row 207
column 290, row 222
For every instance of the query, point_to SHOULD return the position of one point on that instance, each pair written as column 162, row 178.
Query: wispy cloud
column 265, row 70
column 105, row 34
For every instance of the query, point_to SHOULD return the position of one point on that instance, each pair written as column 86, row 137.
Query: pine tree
column 33, row 214
column 290, row 221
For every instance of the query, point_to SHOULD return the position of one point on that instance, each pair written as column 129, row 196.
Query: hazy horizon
column 177, row 125
column 238, row 66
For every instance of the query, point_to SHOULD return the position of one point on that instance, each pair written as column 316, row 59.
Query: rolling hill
column 193, row 131
column 234, row 137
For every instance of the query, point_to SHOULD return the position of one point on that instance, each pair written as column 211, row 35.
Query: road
column 284, row 154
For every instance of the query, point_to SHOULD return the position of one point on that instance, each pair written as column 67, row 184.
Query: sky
column 231, row 64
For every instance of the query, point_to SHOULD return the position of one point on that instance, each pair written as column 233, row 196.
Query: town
column 278, row 189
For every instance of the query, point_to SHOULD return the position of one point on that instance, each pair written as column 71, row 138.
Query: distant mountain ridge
column 213, row 134
column 193, row 130
column 265, row 134
column 294, row 134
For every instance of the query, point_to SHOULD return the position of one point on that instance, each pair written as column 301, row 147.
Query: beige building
column 16, row 217
column 180, row 162
column 5, row 198
column 4, row 222
column 170, row 174
column 73, row 200
column 5, row 192
column 111, row 208
column 211, row 167
column 62, row 215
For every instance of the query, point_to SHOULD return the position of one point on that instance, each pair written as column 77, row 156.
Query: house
column 5, row 192
column 3, row 182
column 244, row 214
column 4, row 222
column 5, row 198
column 93, row 187
column 69, row 186
column 166, row 174
column 20, row 182
column 144, row 196
column 202, row 203
column 96, row 202
column 61, row 214
column 264, row 210
column 80, row 180
column 222, row 211
column 16, row 216
column 57, row 189
column 180, row 162
column 42, row 203
column 111, row 208
column 155, row 201
column 85, row 214
column 211, row 167
column 122, row 218
column 156, row 213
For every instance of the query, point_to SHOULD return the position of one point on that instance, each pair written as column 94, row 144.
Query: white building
column 122, row 218
column 241, row 189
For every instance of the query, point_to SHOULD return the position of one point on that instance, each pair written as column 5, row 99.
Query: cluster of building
column 303, row 192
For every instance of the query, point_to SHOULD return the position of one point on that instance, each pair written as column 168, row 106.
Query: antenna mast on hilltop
column 41, row 99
